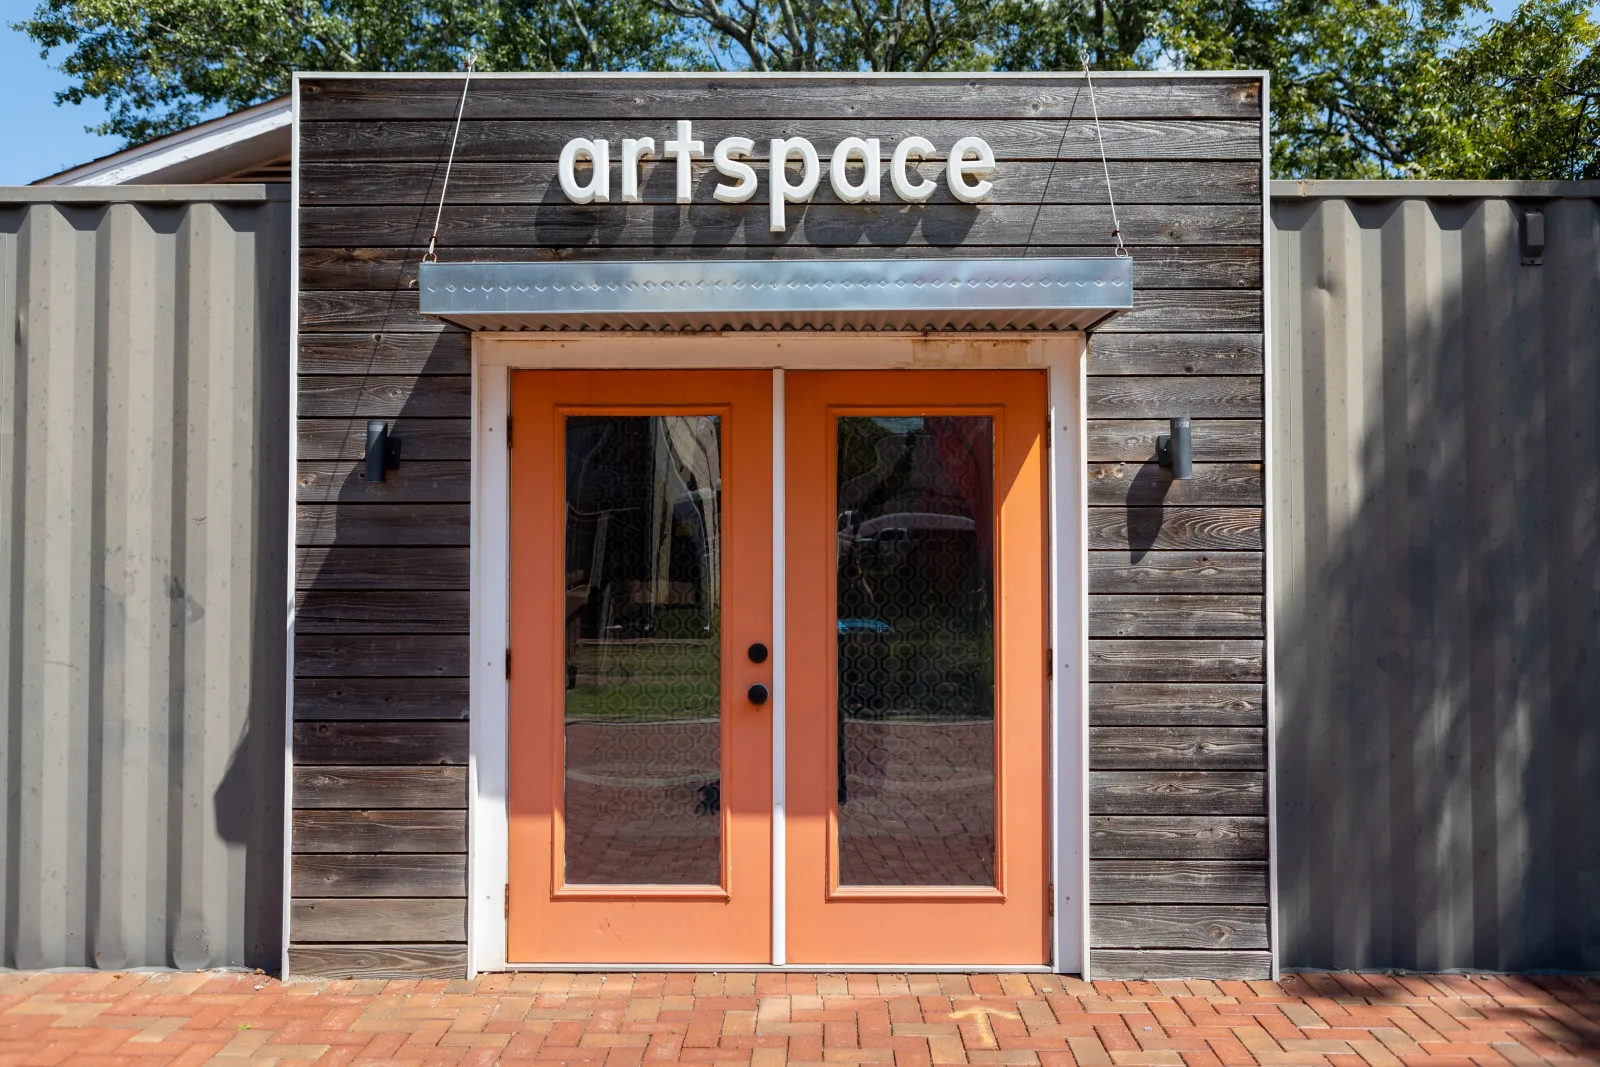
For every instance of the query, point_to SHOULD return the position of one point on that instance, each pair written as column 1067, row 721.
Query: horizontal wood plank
column 532, row 140
column 381, row 655
column 1154, row 267
column 394, row 525
column 1177, row 704
column 1174, row 353
column 375, row 396
column 380, row 831
column 845, row 97
column 339, row 567
column 380, row 787
column 1170, row 881
column 382, row 612
column 1179, row 837
column 1188, row 310
column 373, row 353
column 420, row 439
column 1177, row 793
column 1176, row 660
column 378, row 961
column 384, row 743
column 1134, row 440
column 1197, row 748
column 709, row 224
column 381, row 698
column 414, row 182
column 1139, row 531
column 413, row 482
column 1149, row 484
column 343, row 919
column 1212, row 397
column 379, row 874
column 1131, row 964
column 1143, row 571
column 1210, row 926
column 1177, row 615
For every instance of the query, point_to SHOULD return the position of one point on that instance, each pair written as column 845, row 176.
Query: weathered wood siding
column 1178, row 753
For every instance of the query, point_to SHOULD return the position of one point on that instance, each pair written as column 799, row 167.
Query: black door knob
column 758, row 694
column 758, row 653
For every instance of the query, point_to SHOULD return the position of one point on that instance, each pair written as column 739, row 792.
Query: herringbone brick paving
column 774, row 1020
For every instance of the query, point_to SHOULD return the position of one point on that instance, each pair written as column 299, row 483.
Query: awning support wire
column 1116, row 226
column 431, row 256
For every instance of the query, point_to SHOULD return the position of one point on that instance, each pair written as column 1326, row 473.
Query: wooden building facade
column 1153, row 803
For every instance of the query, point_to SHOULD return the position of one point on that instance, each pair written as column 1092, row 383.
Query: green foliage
column 1361, row 88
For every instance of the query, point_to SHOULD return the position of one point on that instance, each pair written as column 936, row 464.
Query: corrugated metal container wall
column 144, row 371
column 1436, row 474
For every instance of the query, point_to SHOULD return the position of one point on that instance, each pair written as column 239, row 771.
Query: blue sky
column 42, row 138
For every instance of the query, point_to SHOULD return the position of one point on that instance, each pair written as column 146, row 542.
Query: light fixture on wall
column 383, row 450
column 1175, row 449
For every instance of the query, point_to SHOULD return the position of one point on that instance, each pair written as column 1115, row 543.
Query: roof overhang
column 858, row 294
column 208, row 152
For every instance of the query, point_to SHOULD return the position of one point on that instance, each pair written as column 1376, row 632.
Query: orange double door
column 644, row 704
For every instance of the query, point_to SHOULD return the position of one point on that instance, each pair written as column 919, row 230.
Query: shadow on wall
column 1437, row 486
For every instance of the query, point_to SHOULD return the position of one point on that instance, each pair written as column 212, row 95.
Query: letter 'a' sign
column 794, row 172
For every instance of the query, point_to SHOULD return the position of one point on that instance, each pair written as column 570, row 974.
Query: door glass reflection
column 915, row 580
column 643, row 650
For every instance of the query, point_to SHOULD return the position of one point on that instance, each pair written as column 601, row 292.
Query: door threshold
column 786, row 968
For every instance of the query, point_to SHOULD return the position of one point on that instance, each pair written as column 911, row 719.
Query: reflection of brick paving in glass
column 917, row 806
column 642, row 803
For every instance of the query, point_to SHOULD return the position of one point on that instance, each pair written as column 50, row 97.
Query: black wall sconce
column 1533, row 237
column 383, row 450
column 1176, row 449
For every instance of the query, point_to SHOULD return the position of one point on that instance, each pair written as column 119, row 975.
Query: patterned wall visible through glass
column 643, row 650
column 915, row 607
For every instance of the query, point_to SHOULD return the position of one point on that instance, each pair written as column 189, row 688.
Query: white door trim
column 495, row 355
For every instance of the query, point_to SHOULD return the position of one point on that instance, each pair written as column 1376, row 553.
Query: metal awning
column 859, row 294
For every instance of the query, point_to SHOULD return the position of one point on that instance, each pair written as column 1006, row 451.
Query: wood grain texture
column 1212, row 397
column 1172, row 354
column 1179, row 837
column 1148, row 484
column 1134, row 440
column 1183, row 792
column 1177, row 615
column 1177, row 704
column 391, row 525
column 378, row 961
column 388, row 655
column 385, row 269
column 1200, row 748
column 1210, row 926
column 846, row 97
column 540, row 140
column 380, row 831
column 1131, row 964
column 1015, row 182
column 407, row 611
column 413, row 482
column 421, row 439
column 381, row 568
column 1140, row 531
column 1171, row 881
column 1140, row 570
column 1176, row 660
column 380, row 698
column 708, row 224
column 380, row 787
column 380, row 874
column 373, row 353
column 392, row 920
column 1188, row 311
column 380, row 743
column 375, row 396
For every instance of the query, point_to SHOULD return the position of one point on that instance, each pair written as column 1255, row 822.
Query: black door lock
column 758, row 694
column 758, row 653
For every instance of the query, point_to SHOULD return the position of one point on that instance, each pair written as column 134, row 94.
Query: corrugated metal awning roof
column 866, row 294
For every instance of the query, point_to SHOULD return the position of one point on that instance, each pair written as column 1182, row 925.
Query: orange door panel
column 917, row 626
column 640, row 798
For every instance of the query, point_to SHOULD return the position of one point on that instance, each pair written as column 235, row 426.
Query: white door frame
column 494, row 355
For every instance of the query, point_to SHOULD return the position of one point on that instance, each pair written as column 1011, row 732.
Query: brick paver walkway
column 769, row 1020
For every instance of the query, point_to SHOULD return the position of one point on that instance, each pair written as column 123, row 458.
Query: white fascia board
column 230, row 135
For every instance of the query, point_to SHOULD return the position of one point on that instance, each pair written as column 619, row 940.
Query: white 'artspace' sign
column 971, row 162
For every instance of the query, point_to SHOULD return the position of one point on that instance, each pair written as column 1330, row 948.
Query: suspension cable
column 431, row 256
column 1116, row 226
